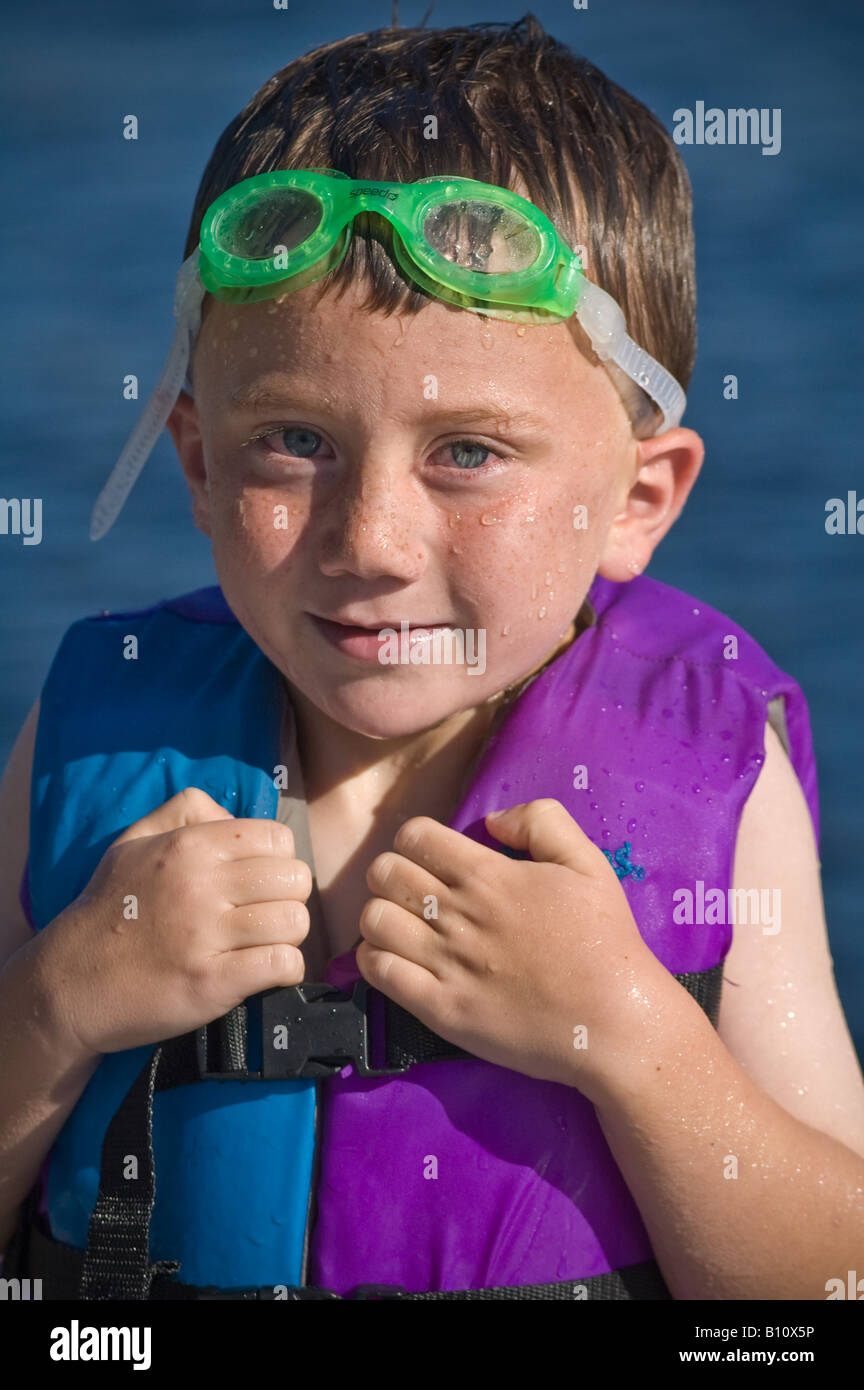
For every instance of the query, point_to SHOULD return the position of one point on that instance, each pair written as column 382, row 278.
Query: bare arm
column 43, row 1071
column 775, row 1098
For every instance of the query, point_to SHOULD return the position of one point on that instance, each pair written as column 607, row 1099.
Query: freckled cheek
column 258, row 521
column 525, row 559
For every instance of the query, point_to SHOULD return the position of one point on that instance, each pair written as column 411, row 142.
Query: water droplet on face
column 640, row 786
column 631, row 826
column 487, row 520
column 542, row 613
column 505, row 630
column 521, row 331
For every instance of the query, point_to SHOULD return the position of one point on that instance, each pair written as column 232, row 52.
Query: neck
column 332, row 756
column 390, row 770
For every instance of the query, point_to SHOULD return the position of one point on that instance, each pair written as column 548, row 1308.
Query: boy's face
column 433, row 470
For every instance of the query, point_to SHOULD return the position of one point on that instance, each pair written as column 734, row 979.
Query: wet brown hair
column 510, row 100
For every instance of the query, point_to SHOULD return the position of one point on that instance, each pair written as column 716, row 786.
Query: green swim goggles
column 472, row 244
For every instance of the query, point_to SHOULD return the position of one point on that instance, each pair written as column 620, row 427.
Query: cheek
column 255, row 525
column 529, row 557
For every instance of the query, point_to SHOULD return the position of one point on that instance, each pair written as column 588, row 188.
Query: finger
column 192, row 806
column 261, row 879
column 234, row 839
column 403, row 981
column 405, row 883
column 547, row 831
column 244, row 973
column 447, row 854
column 264, row 924
column 392, row 928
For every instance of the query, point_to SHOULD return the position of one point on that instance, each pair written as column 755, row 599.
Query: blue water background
column 94, row 231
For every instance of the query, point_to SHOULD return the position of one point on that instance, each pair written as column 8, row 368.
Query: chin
column 396, row 713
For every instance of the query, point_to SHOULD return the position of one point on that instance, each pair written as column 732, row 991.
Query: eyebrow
column 262, row 397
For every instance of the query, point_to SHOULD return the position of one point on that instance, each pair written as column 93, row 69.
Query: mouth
column 365, row 641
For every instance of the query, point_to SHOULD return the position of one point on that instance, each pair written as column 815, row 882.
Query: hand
column 508, row 958
column 219, row 915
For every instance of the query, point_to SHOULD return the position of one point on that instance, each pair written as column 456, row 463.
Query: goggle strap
column 603, row 320
column 654, row 380
column 187, row 308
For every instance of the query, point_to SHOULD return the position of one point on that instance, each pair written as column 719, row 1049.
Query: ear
column 666, row 469
column 184, row 429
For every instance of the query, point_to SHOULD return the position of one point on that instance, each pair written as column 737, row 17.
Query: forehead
column 332, row 339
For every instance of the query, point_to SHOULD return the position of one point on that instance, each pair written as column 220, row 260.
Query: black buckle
column 316, row 1030
column 308, row 1030
column 375, row 1291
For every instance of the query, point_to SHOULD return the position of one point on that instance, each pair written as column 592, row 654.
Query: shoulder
column 658, row 622
column 87, row 652
column 718, row 678
column 780, row 1014
column 207, row 605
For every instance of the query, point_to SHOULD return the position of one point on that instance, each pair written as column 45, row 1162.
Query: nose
column 372, row 528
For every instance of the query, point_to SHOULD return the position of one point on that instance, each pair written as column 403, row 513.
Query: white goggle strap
column 188, row 298
column 603, row 321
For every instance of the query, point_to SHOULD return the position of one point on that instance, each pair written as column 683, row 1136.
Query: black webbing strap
column 59, row 1268
column 221, row 1046
column 706, row 986
column 116, row 1262
column 408, row 1041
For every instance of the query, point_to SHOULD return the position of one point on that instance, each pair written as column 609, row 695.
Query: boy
column 228, row 788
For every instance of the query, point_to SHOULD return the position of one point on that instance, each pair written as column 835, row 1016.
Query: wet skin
column 423, row 468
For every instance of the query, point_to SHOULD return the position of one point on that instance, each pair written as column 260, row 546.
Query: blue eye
column 465, row 454
column 300, row 442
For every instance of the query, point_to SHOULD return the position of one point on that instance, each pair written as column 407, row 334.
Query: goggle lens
column 482, row 236
column 254, row 227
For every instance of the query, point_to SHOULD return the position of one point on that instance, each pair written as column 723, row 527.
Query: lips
column 362, row 641
column 374, row 626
